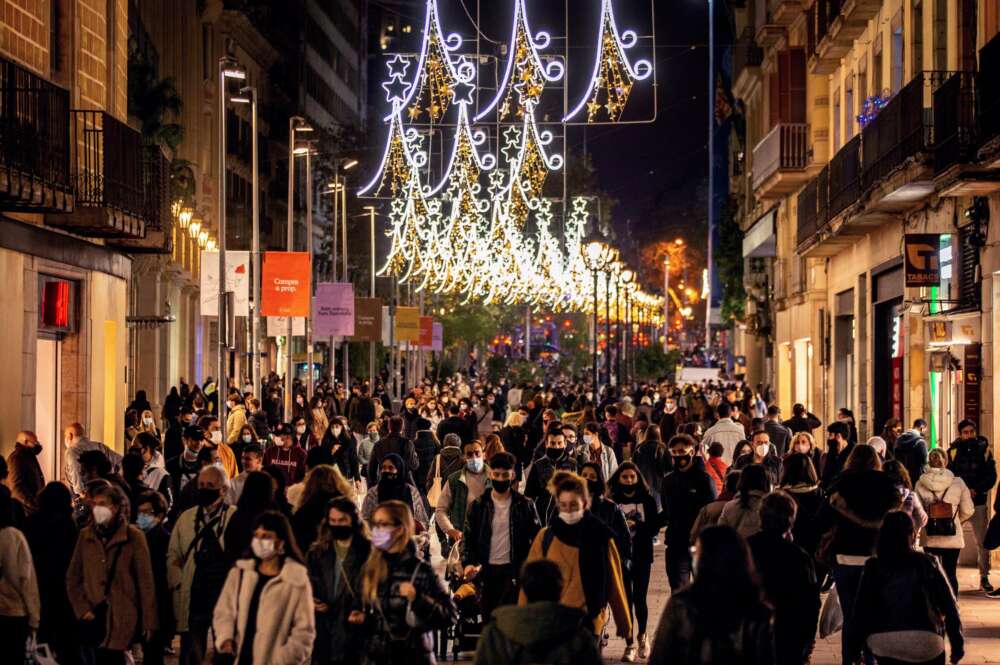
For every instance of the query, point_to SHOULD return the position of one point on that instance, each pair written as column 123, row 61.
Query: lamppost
column 229, row 68
column 248, row 95
column 295, row 124
column 340, row 184
column 371, row 294
column 595, row 255
column 625, row 277
column 611, row 267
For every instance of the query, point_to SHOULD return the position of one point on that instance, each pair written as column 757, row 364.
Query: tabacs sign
column 921, row 257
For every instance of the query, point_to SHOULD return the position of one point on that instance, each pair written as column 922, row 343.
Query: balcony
column 780, row 160
column 107, row 174
column 784, row 12
column 156, row 214
column 747, row 59
column 989, row 103
column 836, row 24
column 34, row 142
column 769, row 31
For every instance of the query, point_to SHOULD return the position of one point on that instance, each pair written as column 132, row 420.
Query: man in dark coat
column 454, row 424
column 25, row 478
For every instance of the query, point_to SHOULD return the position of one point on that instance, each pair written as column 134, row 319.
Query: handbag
column 940, row 518
column 434, row 493
column 94, row 631
column 831, row 617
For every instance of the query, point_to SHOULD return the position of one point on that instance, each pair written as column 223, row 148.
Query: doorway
column 48, row 404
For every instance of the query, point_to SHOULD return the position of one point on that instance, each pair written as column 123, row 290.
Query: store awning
column 759, row 240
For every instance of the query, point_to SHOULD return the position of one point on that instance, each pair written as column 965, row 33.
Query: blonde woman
column 803, row 443
column 322, row 484
column 402, row 601
column 147, row 423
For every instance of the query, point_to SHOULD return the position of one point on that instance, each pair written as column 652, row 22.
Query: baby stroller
column 463, row 635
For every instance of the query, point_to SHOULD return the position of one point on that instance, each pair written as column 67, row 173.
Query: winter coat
column 899, row 599
column 744, row 518
column 771, row 464
column 779, row 434
column 25, row 477
column 454, row 425
column 427, row 449
column 523, row 525
column 681, row 638
column 543, row 632
column 850, row 519
column 804, row 423
column 614, row 518
column 132, row 597
column 809, row 500
column 708, row 516
column 973, row 462
column 155, row 477
column 346, row 455
column 181, row 559
column 685, row 493
column 433, row 609
column 515, row 441
column 653, row 461
column 943, row 485
column 286, row 625
column 536, row 485
column 158, row 540
column 371, row 502
column 607, row 459
column 717, row 469
column 334, row 637
column 910, row 450
column 52, row 539
column 789, row 579
column 452, row 460
column 71, row 461
column 235, row 421
column 18, row 581
column 726, row 432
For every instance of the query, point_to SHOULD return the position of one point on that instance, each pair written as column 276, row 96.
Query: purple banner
column 333, row 309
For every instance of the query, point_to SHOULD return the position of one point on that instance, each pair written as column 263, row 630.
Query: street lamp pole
column 295, row 124
column 312, row 280
column 619, row 347
column 249, row 95
column 371, row 294
column 343, row 255
column 607, row 327
column 666, row 304
column 597, row 380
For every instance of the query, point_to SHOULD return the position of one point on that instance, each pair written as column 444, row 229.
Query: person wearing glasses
column 402, row 600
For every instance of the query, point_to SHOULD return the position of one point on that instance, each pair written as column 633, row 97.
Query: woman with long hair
column 803, row 443
column 402, row 601
column 904, row 606
column 721, row 617
column 584, row 549
column 743, row 512
column 323, row 483
column 257, row 496
column 339, row 441
column 628, row 489
column 939, row 488
column 264, row 614
column 147, row 423
column 800, row 481
column 911, row 504
column 335, row 562
column 653, row 461
column 318, row 421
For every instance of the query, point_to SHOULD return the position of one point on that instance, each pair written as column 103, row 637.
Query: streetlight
column 295, row 124
column 625, row 278
column 229, row 68
column 610, row 268
column 248, row 95
column 371, row 294
column 340, row 182
column 595, row 254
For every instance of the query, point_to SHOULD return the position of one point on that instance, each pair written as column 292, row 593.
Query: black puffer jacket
column 335, row 638
column 910, row 450
column 908, row 595
column 850, row 519
column 478, row 531
column 611, row 514
column 391, row 640
column 973, row 462
column 427, row 448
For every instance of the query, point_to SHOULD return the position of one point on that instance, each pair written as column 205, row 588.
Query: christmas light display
column 872, row 106
column 482, row 230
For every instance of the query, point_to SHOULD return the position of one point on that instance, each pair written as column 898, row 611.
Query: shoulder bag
column 434, row 493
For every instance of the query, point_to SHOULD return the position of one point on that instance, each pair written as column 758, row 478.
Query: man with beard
column 26, row 479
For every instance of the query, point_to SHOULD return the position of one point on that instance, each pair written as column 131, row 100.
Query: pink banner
column 333, row 309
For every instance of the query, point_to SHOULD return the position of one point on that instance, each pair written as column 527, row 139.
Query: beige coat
column 18, row 584
column 943, row 485
column 132, row 597
column 286, row 622
column 235, row 421
column 180, row 572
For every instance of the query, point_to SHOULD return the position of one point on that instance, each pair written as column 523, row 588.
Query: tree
column 154, row 101
column 729, row 264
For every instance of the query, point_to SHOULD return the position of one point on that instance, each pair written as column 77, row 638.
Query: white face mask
column 336, row 431
column 263, row 548
column 217, row 437
column 147, row 421
column 588, row 439
column 763, row 449
column 102, row 514
column 571, row 518
column 301, row 429
column 247, row 438
column 802, row 448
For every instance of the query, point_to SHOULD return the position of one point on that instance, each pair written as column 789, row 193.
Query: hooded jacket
column 744, row 518
column 973, row 462
column 235, row 421
column 851, row 518
column 543, row 632
column 910, row 450
column 943, row 485
column 155, row 477
column 286, row 625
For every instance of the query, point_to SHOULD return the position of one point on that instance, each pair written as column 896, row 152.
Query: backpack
column 940, row 517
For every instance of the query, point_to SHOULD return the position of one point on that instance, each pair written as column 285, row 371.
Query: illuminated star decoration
column 430, row 91
column 613, row 74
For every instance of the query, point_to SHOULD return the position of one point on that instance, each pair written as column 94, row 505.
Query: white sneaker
column 643, row 647
column 629, row 655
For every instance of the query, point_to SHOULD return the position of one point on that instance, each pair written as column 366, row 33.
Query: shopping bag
column 39, row 654
column 831, row 617
column 434, row 493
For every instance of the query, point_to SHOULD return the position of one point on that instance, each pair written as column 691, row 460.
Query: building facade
column 869, row 122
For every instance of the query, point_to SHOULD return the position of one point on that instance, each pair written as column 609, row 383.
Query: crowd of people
column 307, row 537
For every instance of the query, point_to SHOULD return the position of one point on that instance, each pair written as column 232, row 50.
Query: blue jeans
column 848, row 579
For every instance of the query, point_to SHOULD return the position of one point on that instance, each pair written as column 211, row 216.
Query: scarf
column 591, row 537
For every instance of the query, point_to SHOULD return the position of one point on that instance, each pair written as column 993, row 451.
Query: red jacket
column 717, row 469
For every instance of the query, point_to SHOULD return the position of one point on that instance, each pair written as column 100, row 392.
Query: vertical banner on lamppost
column 408, row 324
column 426, row 333
column 277, row 326
column 437, row 337
column 237, row 281
column 285, row 284
column 367, row 320
column 333, row 309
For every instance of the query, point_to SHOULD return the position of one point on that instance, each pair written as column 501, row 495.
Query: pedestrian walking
column 323, row 484
column 949, row 504
column 742, row 513
column 20, row 603
column 151, row 515
column 686, row 490
column 265, row 610
column 393, row 486
column 25, row 478
column 971, row 459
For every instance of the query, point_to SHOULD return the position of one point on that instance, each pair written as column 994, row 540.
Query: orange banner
column 285, row 288
column 408, row 324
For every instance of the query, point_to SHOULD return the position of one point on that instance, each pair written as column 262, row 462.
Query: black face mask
column 682, row 461
column 596, row 487
column 341, row 531
column 501, row 486
column 554, row 453
column 628, row 489
column 389, row 477
column 207, row 496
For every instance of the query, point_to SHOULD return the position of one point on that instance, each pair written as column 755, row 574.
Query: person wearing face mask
column 365, row 447
column 151, row 513
column 154, row 472
column 540, row 472
column 339, row 441
column 236, row 418
column 596, row 451
column 402, row 600
column 686, row 490
column 801, row 482
column 197, row 563
column 629, row 491
column 743, row 511
column 184, row 467
column 584, row 549
column 335, row 561
column 499, row 529
column 147, row 423
column 265, row 610
column 393, row 486
column 173, row 439
column 253, row 460
column 257, row 420
column 460, row 490
column 804, row 443
column 214, row 438
column 763, row 453
column 110, row 580
column 288, row 455
column 25, row 477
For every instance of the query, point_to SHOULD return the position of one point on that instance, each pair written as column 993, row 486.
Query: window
column 877, row 66
column 941, row 35
column 897, row 52
column 788, row 88
column 862, row 90
column 917, row 21
column 849, row 106
column 836, row 119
